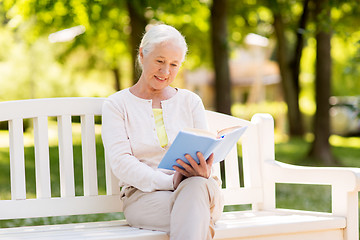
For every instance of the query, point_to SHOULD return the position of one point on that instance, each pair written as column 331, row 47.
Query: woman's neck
column 156, row 95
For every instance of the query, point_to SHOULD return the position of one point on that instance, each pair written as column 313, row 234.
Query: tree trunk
column 321, row 149
column 287, row 81
column 295, row 66
column 138, row 23
column 117, row 79
column 220, row 56
column 299, row 45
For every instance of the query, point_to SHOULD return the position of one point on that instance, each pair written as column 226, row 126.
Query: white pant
column 188, row 213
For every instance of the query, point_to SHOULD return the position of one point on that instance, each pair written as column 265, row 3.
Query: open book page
column 200, row 132
column 229, row 140
column 225, row 131
column 206, row 133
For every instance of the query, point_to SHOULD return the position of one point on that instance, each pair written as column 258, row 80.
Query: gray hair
column 159, row 34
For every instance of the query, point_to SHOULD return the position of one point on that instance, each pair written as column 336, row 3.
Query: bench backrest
column 68, row 203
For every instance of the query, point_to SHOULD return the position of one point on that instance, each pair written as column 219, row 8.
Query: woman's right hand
column 193, row 169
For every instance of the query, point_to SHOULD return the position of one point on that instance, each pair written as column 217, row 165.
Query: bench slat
column 42, row 165
column 49, row 107
column 251, row 165
column 67, row 185
column 217, row 170
column 112, row 183
column 280, row 224
column 232, row 169
column 17, row 163
column 112, row 230
column 89, row 155
column 56, row 206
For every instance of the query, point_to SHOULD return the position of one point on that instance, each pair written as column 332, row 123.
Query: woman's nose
column 165, row 69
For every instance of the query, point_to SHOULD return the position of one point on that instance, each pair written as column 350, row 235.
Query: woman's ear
column 141, row 54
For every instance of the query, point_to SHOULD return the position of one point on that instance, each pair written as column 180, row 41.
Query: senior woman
column 139, row 125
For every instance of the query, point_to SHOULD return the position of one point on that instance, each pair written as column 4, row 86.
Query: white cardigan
column 130, row 138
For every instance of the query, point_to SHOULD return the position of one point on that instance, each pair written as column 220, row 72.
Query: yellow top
column 160, row 126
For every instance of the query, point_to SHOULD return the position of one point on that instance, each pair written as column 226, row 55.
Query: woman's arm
column 125, row 166
column 204, row 168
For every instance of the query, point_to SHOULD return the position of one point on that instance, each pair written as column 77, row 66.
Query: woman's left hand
column 203, row 169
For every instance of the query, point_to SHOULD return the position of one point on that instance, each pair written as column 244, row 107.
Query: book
column 191, row 141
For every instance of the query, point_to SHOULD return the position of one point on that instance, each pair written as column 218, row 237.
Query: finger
column 192, row 162
column 181, row 171
column 201, row 159
column 186, row 166
column 205, row 164
column 210, row 160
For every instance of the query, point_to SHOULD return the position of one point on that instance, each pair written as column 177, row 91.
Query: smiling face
column 160, row 66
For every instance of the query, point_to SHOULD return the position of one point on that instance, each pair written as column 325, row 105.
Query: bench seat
column 278, row 224
column 233, row 225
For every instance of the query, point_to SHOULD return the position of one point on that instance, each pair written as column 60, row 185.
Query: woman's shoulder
column 122, row 94
column 121, row 97
column 117, row 100
column 185, row 93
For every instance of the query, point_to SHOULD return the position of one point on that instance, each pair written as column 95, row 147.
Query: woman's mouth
column 160, row 78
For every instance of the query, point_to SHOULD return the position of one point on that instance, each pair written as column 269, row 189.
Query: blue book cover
column 194, row 140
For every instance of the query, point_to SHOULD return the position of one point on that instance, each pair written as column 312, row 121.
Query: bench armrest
column 346, row 178
column 345, row 184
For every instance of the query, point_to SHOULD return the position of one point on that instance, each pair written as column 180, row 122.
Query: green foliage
column 346, row 65
column 105, row 37
column 59, row 69
column 192, row 20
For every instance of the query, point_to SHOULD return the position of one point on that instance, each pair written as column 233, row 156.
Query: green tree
column 105, row 24
column 290, row 63
column 277, row 19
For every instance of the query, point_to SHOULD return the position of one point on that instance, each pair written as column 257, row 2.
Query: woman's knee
column 197, row 182
column 148, row 210
column 195, row 186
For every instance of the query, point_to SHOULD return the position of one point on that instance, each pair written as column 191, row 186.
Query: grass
column 294, row 196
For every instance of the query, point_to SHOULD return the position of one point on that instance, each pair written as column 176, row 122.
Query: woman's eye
column 159, row 61
column 174, row 65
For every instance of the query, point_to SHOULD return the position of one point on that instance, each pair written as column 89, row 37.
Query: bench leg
column 346, row 204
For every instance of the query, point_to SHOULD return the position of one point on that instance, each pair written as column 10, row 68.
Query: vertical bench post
column 67, row 183
column 42, row 165
column 89, row 155
column 17, row 159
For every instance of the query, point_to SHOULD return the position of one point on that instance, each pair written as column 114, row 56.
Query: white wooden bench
column 260, row 173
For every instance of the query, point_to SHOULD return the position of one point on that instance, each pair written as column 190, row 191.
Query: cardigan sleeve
column 125, row 166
